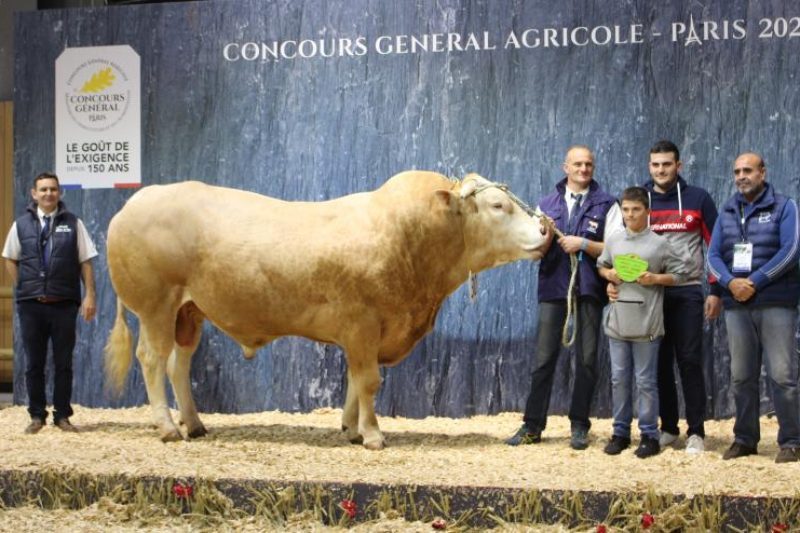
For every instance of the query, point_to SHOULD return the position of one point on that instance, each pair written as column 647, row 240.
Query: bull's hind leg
column 152, row 352
column 350, row 412
column 188, row 329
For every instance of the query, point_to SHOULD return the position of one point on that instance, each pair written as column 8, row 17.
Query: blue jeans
column 639, row 359
column 767, row 331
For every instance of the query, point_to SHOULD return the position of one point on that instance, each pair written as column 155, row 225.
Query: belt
column 49, row 299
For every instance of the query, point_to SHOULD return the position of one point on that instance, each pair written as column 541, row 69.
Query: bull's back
column 231, row 251
column 257, row 264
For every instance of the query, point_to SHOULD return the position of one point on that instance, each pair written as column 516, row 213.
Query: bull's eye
column 497, row 205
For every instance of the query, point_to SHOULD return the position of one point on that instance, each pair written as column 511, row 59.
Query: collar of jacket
column 765, row 199
column 594, row 187
column 60, row 210
column 673, row 192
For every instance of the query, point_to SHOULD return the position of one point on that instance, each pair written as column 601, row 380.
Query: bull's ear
column 447, row 199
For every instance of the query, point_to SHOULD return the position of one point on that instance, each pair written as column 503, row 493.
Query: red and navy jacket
column 685, row 215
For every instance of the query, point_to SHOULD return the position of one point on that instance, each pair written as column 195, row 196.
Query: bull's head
column 498, row 227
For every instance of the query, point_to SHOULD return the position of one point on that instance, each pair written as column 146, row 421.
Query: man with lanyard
column 684, row 214
column 48, row 252
column 585, row 214
column 754, row 253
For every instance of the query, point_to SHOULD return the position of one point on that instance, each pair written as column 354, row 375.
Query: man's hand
column 647, row 279
column 742, row 289
column 611, row 275
column 88, row 307
column 713, row 307
column 570, row 243
column 612, row 291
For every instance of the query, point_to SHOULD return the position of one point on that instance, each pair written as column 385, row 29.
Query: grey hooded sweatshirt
column 638, row 313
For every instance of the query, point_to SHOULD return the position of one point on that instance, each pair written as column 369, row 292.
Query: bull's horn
column 469, row 184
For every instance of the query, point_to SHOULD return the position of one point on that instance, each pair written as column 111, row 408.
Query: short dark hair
column 636, row 194
column 665, row 147
column 45, row 176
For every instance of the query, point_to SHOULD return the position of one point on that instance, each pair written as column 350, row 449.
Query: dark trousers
column 40, row 323
column 548, row 346
column 682, row 342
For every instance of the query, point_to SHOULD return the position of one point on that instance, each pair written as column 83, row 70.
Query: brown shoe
column 35, row 426
column 65, row 425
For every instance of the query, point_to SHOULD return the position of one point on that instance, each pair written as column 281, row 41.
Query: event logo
column 98, row 117
column 98, row 94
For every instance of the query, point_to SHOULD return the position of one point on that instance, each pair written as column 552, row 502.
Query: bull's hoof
column 375, row 445
column 354, row 438
column 199, row 431
column 172, row 436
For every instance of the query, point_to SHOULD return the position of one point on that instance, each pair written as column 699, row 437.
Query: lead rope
column 567, row 340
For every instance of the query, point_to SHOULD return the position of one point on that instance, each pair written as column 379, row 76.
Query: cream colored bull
column 367, row 272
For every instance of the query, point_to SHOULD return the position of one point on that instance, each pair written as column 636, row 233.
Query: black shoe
column 579, row 439
column 616, row 445
column 788, row 455
column 35, row 426
column 739, row 450
column 648, row 447
column 524, row 436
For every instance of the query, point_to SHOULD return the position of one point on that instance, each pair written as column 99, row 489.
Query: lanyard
column 743, row 226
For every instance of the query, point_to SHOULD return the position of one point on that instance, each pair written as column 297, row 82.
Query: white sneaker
column 695, row 445
column 666, row 439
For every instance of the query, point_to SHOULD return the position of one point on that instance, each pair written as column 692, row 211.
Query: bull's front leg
column 350, row 412
column 367, row 380
column 363, row 383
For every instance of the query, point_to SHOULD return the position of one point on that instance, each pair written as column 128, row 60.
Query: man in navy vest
column 585, row 214
column 754, row 254
column 48, row 251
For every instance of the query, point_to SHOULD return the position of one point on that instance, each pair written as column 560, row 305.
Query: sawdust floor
column 435, row 451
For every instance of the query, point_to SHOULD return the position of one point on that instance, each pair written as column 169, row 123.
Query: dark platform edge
column 463, row 506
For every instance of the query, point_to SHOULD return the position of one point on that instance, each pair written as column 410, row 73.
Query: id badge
column 743, row 257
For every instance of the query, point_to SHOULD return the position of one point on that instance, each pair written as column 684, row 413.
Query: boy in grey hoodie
column 639, row 262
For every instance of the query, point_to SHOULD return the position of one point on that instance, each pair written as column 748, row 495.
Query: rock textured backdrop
column 531, row 79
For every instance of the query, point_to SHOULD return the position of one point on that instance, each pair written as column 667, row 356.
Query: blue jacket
column 62, row 277
column 771, row 225
column 554, row 269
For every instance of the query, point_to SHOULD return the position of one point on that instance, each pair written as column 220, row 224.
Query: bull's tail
column 118, row 352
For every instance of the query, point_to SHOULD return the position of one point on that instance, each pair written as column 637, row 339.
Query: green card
column 629, row 267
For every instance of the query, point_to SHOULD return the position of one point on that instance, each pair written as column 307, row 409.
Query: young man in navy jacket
column 684, row 214
column 48, row 253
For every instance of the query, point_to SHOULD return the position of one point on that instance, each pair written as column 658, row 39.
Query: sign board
column 98, row 117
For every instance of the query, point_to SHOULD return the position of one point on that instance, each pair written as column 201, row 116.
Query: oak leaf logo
column 102, row 79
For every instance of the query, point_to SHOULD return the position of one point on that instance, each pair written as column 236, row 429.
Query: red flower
column 601, row 528
column 647, row 520
column 439, row 523
column 349, row 507
column 779, row 527
column 182, row 490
